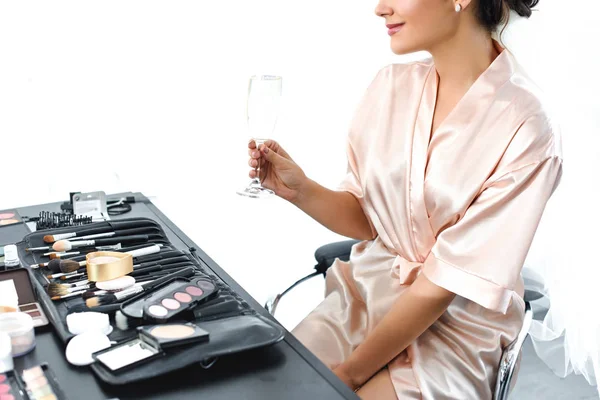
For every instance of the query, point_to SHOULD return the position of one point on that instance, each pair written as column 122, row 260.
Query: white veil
column 558, row 47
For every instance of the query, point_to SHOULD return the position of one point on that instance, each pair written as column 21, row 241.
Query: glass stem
column 256, row 180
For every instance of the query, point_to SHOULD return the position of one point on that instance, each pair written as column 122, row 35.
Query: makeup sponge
column 81, row 347
column 117, row 284
column 87, row 322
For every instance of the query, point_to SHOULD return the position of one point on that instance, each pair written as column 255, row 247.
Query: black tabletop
column 286, row 370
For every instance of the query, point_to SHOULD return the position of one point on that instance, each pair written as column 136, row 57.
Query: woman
column 451, row 162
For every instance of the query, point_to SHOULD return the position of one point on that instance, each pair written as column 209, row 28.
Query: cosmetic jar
column 11, row 256
column 108, row 265
column 6, row 361
column 19, row 327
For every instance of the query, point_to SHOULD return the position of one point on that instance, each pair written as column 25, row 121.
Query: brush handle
column 129, row 292
column 159, row 267
column 121, row 239
column 120, row 225
column 137, row 231
column 145, row 251
column 160, row 256
column 184, row 273
column 111, row 226
column 164, row 261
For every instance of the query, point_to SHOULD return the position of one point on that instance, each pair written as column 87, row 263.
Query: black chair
column 326, row 255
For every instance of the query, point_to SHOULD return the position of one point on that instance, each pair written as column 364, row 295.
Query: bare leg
column 379, row 387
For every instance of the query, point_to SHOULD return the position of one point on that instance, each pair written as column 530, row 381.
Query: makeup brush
column 104, row 227
column 56, row 289
column 71, row 276
column 60, row 254
column 65, row 245
column 113, row 297
column 74, row 284
column 93, row 293
column 144, row 250
column 66, row 296
column 68, row 266
column 121, row 232
column 63, row 274
column 156, row 268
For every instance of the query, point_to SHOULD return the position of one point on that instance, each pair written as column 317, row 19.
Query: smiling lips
column 394, row 28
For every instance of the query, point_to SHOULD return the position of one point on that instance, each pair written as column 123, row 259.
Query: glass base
column 255, row 191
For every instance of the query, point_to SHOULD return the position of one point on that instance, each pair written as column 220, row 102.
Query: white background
column 149, row 96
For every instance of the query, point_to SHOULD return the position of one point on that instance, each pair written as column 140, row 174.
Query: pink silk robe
column 460, row 206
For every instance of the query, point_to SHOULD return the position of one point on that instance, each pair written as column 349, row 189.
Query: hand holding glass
column 262, row 110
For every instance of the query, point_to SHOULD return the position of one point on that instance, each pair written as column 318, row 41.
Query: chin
column 401, row 47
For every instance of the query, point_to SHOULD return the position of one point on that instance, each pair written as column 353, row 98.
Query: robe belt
column 406, row 271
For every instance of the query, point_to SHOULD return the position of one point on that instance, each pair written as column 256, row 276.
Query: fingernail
column 266, row 150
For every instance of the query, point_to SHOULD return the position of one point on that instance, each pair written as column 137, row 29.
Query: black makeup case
column 232, row 324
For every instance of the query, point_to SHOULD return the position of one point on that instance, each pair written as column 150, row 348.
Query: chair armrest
column 510, row 356
column 326, row 255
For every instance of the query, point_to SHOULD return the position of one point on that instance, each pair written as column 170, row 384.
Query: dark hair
column 492, row 13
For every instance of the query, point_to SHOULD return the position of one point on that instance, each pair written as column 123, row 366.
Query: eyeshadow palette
column 10, row 388
column 170, row 299
column 41, row 384
column 9, row 217
column 20, row 281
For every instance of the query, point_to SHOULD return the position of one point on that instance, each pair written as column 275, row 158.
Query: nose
column 383, row 10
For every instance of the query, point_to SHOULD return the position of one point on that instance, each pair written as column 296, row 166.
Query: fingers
column 276, row 147
column 253, row 163
column 252, row 144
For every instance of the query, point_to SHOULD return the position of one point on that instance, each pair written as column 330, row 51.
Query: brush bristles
column 65, row 277
column 67, row 266
column 90, row 294
column 54, row 256
column 56, row 289
column 49, row 239
column 62, row 245
column 101, row 300
column 54, row 266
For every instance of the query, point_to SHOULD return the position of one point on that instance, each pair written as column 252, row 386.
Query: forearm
column 414, row 311
column 336, row 210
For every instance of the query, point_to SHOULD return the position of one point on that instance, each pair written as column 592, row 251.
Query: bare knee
column 379, row 387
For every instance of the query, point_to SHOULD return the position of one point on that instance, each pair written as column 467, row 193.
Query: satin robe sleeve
column 353, row 182
column 480, row 257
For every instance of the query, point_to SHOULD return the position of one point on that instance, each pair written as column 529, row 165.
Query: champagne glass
column 262, row 110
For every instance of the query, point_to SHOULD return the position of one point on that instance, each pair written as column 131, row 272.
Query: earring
column 458, row 8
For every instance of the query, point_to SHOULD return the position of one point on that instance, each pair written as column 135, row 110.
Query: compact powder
column 172, row 331
column 182, row 297
column 32, row 373
column 7, row 215
column 4, row 388
column 171, row 304
column 194, row 291
column 207, row 286
column 2, row 378
column 158, row 311
column 8, row 221
column 8, row 397
column 38, row 382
